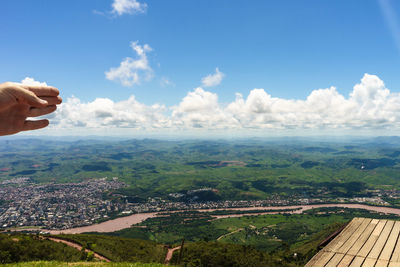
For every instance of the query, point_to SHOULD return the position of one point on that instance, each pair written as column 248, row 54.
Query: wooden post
column 181, row 252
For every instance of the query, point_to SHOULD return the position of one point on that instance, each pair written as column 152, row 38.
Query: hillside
column 20, row 248
column 26, row 247
column 119, row 249
column 266, row 232
column 32, row 250
column 24, row 250
column 237, row 170
column 208, row 254
column 81, row 264
column 183, row 179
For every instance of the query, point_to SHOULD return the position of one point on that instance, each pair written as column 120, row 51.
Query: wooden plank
column 350, row 227
column 336, row 243
column 391, row 242
column 319, row 254
column 381, row 263
column 334, row 261
column 353, row 238
column 314, row 259
column 357, row 262
column 345, row 262
column 369, row 262
column 396, row 252
column 325, row 257
column 363, row 238
column 372, row 239
column 363, row 242
column 380, row 243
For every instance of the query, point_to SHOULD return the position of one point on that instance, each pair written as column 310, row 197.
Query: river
column 128, row 221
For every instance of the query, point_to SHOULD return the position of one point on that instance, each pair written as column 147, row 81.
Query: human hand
column 18, row 102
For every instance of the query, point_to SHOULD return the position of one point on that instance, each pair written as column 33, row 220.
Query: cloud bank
column 369, row 106
column 132, row 71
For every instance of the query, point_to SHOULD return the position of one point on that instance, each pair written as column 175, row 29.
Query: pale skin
column 19, row 102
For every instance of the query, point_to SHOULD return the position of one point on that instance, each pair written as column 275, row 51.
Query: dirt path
column 77, row 246
column 170, row 252
column 231, row 233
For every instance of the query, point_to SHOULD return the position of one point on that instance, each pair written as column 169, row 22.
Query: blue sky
column 288, row 48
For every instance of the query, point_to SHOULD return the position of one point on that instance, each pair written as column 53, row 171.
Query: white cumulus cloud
column 121, row 7
column 31, row 81
column 200, row 109
column 132, row 71
column 370, row 106
column 105, row 113
column 213, row 79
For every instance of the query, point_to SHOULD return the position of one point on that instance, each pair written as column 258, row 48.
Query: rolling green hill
column 21, row 247
column 81, row 264
column 207, row 254
column 245, row 169
column 32, row 250
column 265, row 240
column 27, row 247
column 119, row 249
column 157, row 171
column 265, row 232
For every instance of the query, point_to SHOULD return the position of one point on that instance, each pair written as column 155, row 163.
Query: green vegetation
column 171, row 228
column 235, row 170
column 176, row 170
column 217, row 254
column 226, row 254
column 268, row 233
column 121, row 249
column 20, row 247
column 229, row 212
column 261, row 240
column 196, row 254
column 305, row 250
column 81, row 264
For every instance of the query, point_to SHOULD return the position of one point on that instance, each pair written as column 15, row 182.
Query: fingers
column 37, row 96
column 34, row 125
column 52, row 100
column 29, row 97
column 42, row 90
column 36, row 112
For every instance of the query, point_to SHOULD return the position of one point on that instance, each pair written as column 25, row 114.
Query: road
column 78, row 247
column 170, row 252
column 231, row 233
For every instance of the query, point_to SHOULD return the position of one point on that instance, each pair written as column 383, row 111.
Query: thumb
column 29, row 97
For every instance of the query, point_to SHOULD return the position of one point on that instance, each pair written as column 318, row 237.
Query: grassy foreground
column 83, row 264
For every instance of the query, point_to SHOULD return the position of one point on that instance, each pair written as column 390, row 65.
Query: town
column 58, row 206
column 69, row 205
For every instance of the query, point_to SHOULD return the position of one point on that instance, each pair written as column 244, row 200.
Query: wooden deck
column 363, row 242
